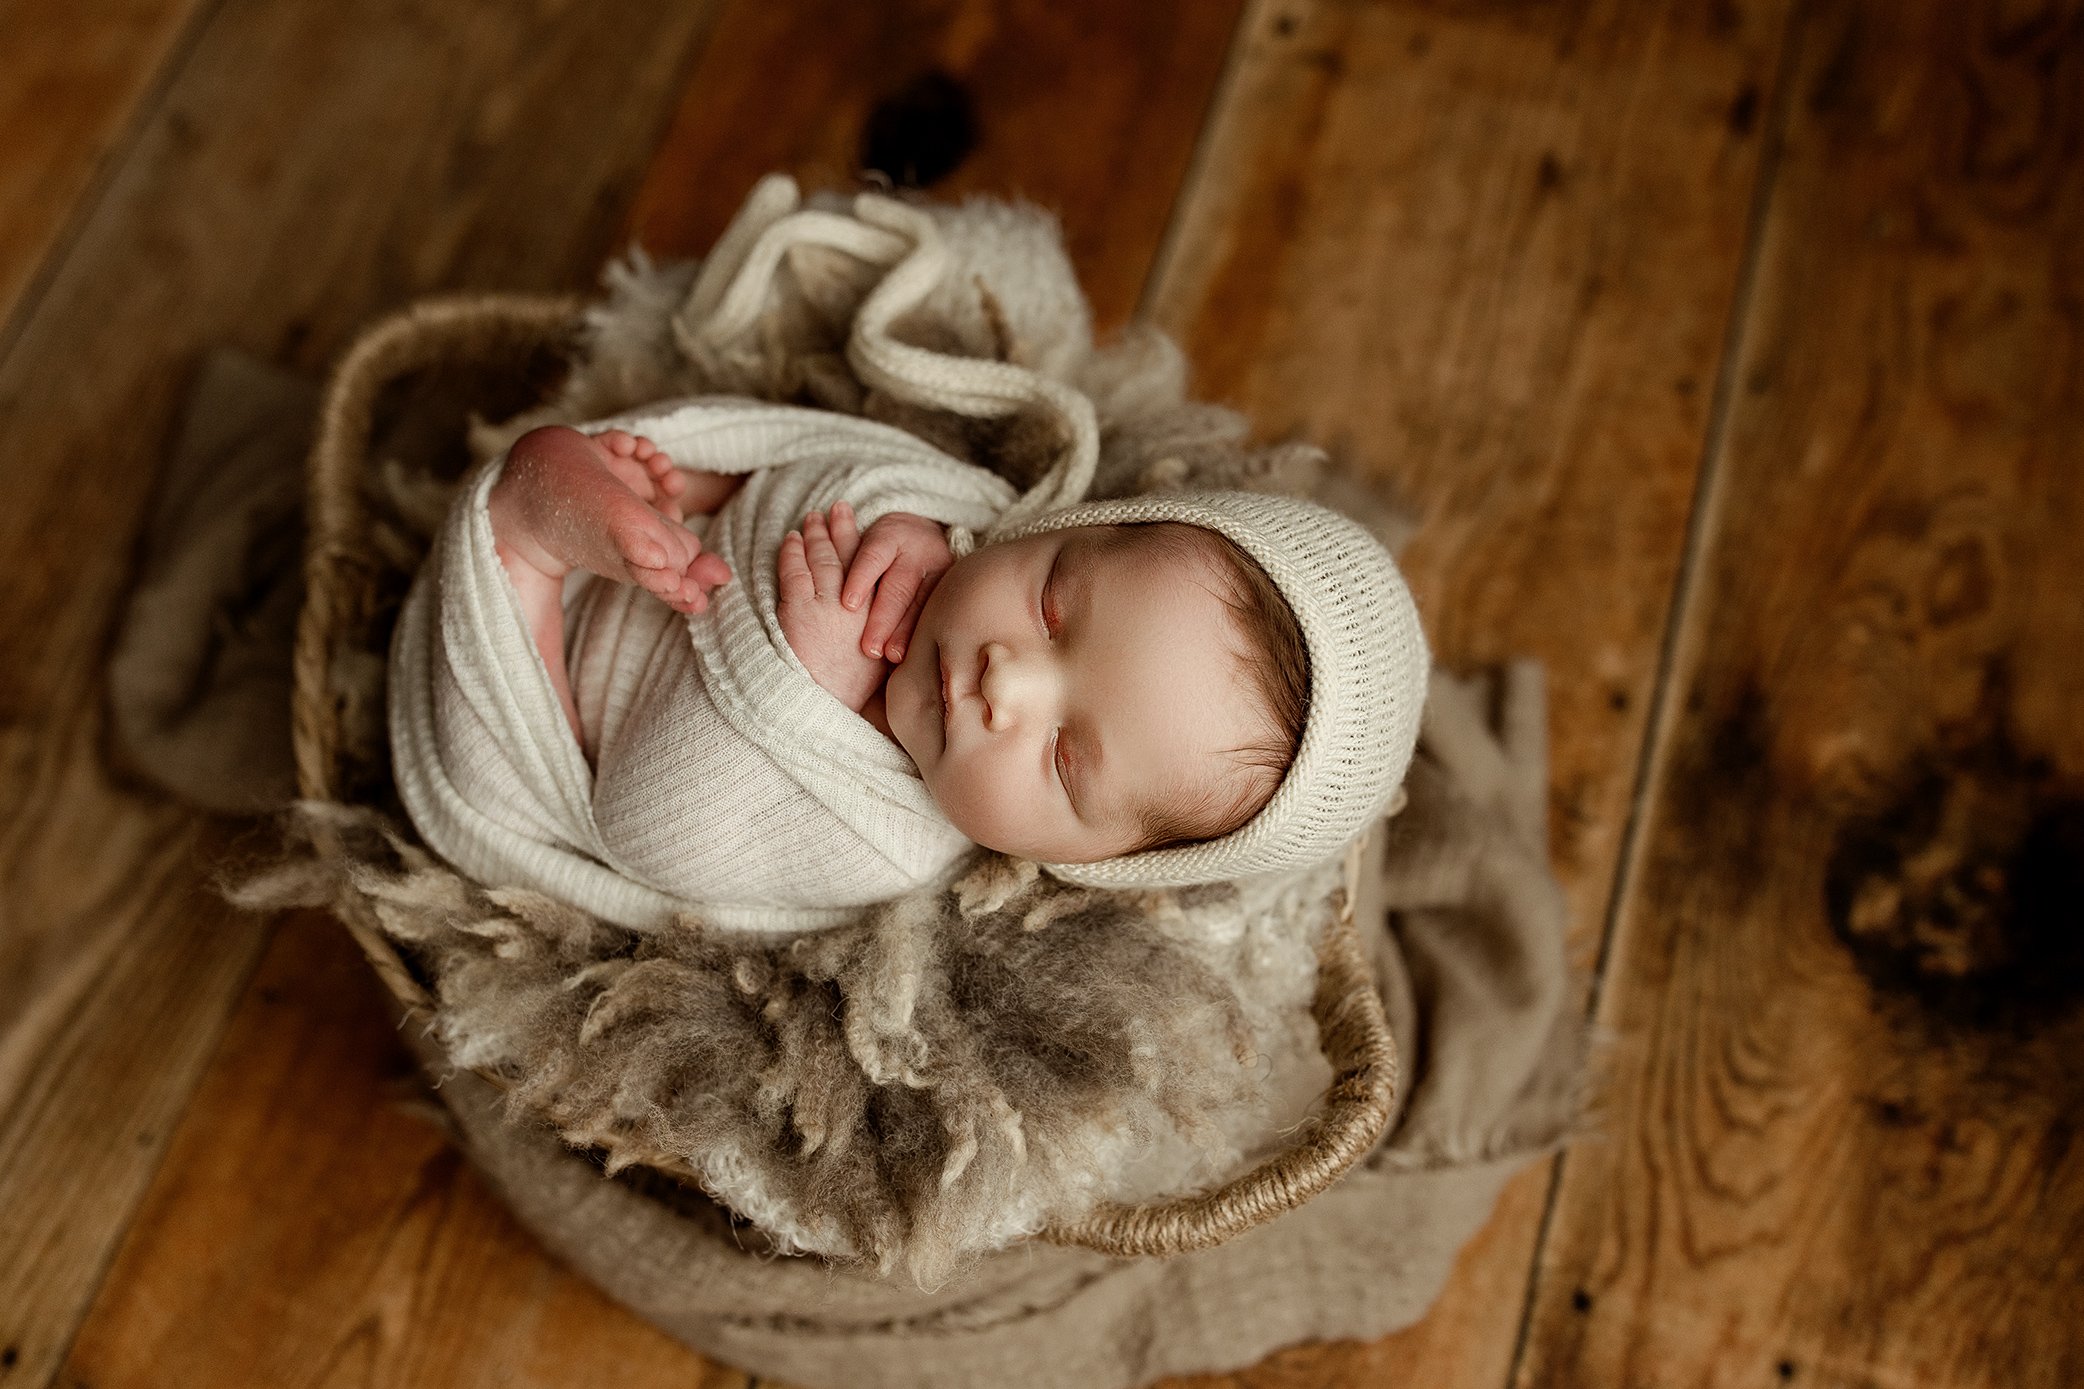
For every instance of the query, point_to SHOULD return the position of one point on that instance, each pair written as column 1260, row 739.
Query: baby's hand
column 902, row 557
column 825, row 636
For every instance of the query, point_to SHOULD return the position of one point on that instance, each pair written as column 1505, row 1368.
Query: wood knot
column 920, row 133
column 1957, row 894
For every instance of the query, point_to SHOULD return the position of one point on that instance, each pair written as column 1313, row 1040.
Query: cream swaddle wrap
column 724, row 778
column 725, row 781
column 810, row 807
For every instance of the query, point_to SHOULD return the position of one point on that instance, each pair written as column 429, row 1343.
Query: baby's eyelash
column 1049, row 619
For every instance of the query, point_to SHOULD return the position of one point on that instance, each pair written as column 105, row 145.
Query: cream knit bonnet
column 1367, row 684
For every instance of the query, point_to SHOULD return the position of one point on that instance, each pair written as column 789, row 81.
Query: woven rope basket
column 344, row 606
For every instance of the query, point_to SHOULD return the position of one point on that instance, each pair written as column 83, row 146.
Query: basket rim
column 481, row 328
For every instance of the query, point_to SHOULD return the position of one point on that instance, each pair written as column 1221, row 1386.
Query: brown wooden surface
column 314, row 1224
column 1454, row 244
column 1847, row 976
column 73, row 78
column 297, row 174
column 70, row 86
column 1493, row 252
column 1089, row 108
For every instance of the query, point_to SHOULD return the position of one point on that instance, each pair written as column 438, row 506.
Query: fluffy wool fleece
column 956, row 1070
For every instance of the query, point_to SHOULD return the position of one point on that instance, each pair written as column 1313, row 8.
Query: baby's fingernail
column 897, row 653
column 875, row 650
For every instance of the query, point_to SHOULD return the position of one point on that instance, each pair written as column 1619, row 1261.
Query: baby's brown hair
column 1277, row 660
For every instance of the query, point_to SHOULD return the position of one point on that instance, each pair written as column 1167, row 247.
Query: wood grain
column 301, row 1229
column 406, row 1270
column 299, row 174
column 72, row 82
column 1088, row 107
column 1486, row 252
column 1848, row 979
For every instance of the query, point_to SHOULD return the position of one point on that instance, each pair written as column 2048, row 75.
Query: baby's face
column 1057, row 685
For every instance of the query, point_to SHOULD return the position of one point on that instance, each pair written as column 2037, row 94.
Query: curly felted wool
column 1368, row 664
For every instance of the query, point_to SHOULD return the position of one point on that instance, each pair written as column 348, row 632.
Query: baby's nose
column 1010, row 685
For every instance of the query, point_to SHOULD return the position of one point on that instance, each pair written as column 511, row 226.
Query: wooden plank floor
column 1730, row 352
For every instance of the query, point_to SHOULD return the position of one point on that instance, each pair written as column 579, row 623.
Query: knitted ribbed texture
column 1368, row 668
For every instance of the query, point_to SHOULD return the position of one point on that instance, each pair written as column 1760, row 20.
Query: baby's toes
column 619, row 442
column 645, row 542
column 664, row 583
column 709, row 570
column 686, row 594
column 630, row 475
column 693, row 580
column 668, row 485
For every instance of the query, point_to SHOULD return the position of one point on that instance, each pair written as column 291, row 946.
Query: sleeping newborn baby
column 784, row 686
column 1071, row 696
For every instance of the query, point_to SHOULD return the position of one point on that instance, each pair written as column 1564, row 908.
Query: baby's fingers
column 894, row 597
column 873, row 557
column 846, row 535
column 825, row 565
column 901, row 637
column 792, row 570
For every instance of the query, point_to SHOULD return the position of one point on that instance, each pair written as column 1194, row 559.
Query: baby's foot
column 645, row 470
column 565, row 502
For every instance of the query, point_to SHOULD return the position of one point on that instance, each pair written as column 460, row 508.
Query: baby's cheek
column 975, row 801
